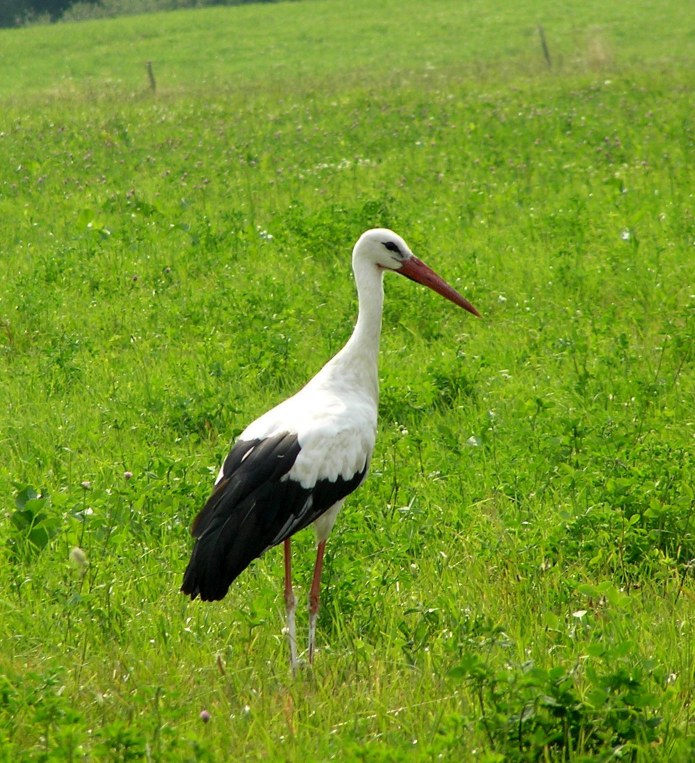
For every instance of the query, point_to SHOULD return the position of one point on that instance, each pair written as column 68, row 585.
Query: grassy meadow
column 514, row 582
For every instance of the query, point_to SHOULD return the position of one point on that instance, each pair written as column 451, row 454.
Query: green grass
column 514, row 581
column 283, row 45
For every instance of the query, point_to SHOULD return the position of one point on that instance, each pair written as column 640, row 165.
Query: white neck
column 358, row 360
column 370, row 293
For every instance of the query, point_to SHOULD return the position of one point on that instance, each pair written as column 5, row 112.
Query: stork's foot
column 312, row 637
column 291, row 630
column 314, row 597
column 291, row 608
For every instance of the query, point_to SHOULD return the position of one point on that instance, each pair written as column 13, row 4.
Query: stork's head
column 388, row 251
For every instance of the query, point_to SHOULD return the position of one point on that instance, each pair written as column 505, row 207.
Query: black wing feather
column 252, row 508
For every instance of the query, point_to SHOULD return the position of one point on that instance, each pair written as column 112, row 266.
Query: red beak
column 416, row 270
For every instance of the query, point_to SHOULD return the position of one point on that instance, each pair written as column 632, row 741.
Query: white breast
column 336, row 432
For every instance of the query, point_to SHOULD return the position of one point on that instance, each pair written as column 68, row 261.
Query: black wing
column 254, row 506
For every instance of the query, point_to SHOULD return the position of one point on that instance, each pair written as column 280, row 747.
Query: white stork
column 297, row 463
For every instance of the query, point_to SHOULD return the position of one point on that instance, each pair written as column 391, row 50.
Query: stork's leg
column 291, row 606
column 314, row 594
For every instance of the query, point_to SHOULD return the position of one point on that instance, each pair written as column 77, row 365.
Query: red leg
column 290, row 606
column 314, row 595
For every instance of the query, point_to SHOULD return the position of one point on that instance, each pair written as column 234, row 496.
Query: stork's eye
column 392, row 246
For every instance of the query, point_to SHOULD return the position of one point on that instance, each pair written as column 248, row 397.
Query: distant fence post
column 544, row 45
column 150, row 74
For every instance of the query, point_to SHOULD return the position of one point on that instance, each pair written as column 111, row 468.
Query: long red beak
column 416, row 270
